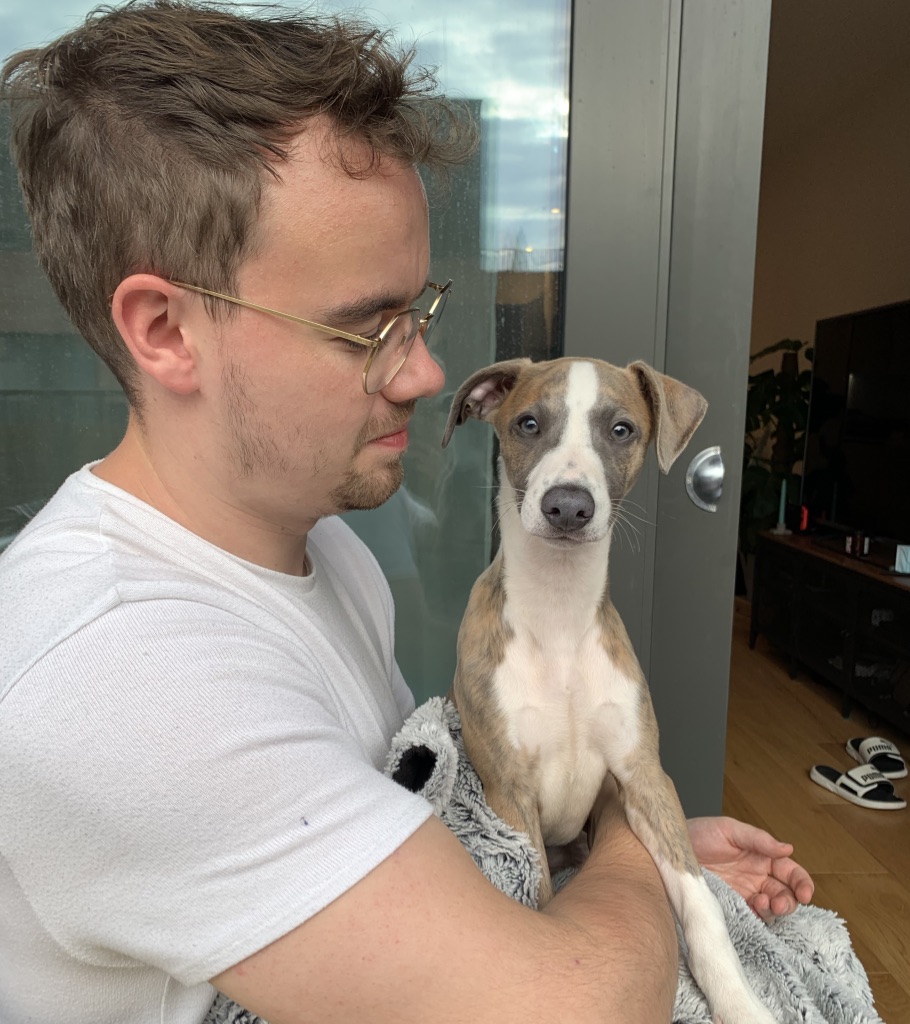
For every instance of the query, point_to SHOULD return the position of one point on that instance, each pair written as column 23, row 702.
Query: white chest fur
column 574, row 713
column 565, row 702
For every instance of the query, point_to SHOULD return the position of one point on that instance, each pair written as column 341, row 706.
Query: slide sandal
column 864, row 786
column 880, row 753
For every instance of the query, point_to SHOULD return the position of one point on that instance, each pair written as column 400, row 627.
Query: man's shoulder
column 91, row 549
column 92, row 537
column 53, row 577
column 57, row 544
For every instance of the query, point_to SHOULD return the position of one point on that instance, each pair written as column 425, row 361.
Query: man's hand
column 753, row 863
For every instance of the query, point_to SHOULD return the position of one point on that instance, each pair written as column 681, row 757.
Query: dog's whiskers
column 619, row 518
column 504, row 508
column 628, row 501
column 633, row 542
column 620, row 508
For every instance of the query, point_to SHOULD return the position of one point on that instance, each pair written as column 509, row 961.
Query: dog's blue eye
column 622, row 431
column 528, row 425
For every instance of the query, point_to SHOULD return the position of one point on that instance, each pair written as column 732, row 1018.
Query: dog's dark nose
column 567, row 508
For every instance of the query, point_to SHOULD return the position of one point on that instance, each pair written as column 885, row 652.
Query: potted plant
column 777, row 408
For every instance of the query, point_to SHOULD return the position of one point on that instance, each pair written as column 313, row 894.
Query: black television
column 856, row 471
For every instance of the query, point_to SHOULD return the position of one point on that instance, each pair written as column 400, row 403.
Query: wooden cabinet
column 845, row 619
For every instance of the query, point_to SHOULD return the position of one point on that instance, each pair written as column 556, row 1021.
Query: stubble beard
column 255, row 452
column 363, row 491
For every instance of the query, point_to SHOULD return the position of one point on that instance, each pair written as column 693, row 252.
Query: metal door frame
column 667, row 112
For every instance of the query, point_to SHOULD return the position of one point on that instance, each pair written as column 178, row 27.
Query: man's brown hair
column 142, row 139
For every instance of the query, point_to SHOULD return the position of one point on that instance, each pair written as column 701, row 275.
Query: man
column 198, row 687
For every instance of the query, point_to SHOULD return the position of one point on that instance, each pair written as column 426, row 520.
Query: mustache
column 390, row 424
column 394, row 423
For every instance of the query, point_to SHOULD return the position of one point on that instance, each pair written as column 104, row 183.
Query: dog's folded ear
column 482, row 393
column 677, row 410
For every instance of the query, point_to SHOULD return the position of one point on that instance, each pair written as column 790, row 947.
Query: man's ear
column 482, row 393
column 677, row 410
column 149, row 314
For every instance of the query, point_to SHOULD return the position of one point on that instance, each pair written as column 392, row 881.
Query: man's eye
column 371, row 334
column 352, row 346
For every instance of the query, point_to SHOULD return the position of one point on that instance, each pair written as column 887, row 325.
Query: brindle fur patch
column 482, row 641
column 621, row 402
column 643, row 784
column 677, row 411
column 537, row 393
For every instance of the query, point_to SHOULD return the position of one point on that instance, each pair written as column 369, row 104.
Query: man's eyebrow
column 365, row 308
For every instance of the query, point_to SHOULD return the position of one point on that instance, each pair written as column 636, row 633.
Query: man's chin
column 362, row 492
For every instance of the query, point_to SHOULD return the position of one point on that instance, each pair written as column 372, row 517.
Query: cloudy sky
column 512, row 55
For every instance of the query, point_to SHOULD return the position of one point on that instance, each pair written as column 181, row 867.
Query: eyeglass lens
column 436, row 312
column 391, row 354
column 397, row 341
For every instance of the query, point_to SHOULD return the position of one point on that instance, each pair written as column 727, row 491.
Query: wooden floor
column 860, row 858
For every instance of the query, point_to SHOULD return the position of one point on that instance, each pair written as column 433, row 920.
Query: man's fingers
column 795, row 877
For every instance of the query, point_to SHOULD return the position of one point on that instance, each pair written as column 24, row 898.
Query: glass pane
column 497, row 230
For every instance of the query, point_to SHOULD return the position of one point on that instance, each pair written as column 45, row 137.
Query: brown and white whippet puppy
column 548, row 687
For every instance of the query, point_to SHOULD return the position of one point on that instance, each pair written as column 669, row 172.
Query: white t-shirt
column 191, row 751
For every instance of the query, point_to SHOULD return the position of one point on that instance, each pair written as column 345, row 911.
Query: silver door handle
column 705, row 479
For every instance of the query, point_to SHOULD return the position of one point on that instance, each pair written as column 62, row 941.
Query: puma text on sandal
column 880, row 753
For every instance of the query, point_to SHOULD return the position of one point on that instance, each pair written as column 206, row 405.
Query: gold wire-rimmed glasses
column 388, row 349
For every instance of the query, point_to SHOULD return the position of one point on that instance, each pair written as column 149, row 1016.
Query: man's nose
column 420, row 376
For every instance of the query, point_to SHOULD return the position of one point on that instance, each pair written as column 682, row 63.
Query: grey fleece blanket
column 802, row 966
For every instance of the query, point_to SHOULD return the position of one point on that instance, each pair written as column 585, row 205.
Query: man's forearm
column 436, row 941
column 618, row 891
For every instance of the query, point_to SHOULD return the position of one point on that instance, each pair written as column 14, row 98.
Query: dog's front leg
column 505, row 774
column 519, row 811
column 656, row 817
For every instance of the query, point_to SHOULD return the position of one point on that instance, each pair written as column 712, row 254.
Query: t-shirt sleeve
column 404, row 698
column 185, row 804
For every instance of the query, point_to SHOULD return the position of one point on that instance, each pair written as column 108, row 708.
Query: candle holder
column 781, row 529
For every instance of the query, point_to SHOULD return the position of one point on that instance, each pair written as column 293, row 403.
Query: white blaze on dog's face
column 572, row 438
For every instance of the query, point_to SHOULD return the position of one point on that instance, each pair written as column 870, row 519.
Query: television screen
column 856, row 473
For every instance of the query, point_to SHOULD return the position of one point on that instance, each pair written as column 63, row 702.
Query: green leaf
column 784, row 345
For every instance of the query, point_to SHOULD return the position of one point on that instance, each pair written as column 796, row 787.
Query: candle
column 783, row 502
